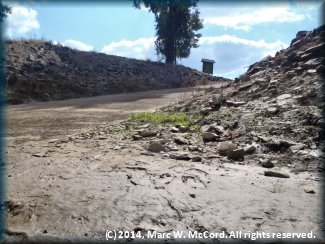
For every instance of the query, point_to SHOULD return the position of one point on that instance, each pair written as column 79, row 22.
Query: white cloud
column 140, row 48
column 269, row 47
column 21, row 20
column 245, row 18
column 232, row 54
column 77, row 45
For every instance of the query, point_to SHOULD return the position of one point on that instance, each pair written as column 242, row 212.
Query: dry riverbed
column 65, row 182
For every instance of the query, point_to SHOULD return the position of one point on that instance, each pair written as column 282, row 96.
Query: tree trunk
column 170, row 42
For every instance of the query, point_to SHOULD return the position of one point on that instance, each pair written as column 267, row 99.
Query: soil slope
column 41, row 71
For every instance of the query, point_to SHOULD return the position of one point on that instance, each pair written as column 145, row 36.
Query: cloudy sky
column 235, row 34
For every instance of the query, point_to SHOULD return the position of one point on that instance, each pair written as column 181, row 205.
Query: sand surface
column 64, row 186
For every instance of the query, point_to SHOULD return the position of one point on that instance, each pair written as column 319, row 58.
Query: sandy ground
column 67, row 187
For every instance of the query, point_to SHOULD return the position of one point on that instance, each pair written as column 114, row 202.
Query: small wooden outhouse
column 207, row 65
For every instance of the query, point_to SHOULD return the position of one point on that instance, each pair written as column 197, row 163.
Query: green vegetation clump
column 162, row 118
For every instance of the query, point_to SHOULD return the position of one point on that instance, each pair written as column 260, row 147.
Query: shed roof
column 207, row 60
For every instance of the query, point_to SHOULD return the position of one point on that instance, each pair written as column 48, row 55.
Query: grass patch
column 162, row 118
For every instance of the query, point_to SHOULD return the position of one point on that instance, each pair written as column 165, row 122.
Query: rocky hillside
column 297, row 70
column 41, row 71
column 271, row 116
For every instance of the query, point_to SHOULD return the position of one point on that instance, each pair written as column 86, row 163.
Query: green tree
column 4, row 10
column 176, row 24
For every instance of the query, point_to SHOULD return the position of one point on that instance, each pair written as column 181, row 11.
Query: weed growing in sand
column 161, row 118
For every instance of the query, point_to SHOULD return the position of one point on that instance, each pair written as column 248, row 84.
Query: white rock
column 283, row 96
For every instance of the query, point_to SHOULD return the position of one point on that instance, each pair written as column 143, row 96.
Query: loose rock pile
column 41, row 71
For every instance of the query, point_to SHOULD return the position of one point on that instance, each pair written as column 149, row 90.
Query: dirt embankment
column 41, row 71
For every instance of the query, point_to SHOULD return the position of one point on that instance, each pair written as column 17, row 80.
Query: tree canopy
column 176, row 24
column 4, row 10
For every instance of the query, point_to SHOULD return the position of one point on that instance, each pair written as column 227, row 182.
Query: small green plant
column 166, row 118
column 161, row 118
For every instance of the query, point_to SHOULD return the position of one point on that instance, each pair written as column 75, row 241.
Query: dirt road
column 61, row 185
column 43, row 120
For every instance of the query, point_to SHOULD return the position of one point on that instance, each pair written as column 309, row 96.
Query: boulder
column 267, row 164
column 208, row 136
column 225, row 147
column 236, row 153
column 217, row 99
column 249, row 149
column 156, row 147
column 272, row 110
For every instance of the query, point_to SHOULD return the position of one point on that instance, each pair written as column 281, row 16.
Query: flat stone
column 283, row 96
column 309, row 190
column 147, row 153
column 204, row 128
column 275, row 174
column 31, row 57
column 174, row 129
column 41, row 155
column 156, row 147
column 180, row 156
column 313, row 63
column 273, row 82
column 148, row 133
column 180, row 140
column 144, row 126
column 311, row 71
column 297, row 147
column 234, row 103
column 136, row 137
column 211, row 156
column 173, row 149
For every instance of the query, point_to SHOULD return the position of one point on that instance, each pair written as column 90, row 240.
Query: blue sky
column 234, row 35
